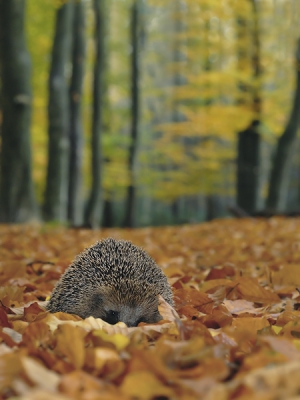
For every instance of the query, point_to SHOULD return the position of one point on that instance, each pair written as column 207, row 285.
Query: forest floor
column 236, row 334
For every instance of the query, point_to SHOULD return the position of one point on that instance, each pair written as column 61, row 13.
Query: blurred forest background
column 148, row 112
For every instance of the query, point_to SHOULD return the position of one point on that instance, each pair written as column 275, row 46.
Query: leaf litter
column 235, row 333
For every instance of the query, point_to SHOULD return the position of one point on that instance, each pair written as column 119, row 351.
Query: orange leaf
column 70, row 343
column 31, row 312
column 250, row 324
column 249, row 289
column 144, row 385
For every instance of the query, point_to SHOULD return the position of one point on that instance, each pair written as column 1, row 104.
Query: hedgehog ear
column 98, row 298
column 102, row 293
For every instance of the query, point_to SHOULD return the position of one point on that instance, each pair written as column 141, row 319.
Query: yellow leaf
column 276, row 329
column 120, row 341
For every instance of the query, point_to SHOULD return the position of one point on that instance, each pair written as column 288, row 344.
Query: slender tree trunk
column 279, row 179
column 178, row 57
column 256, row 63
column 108, row 218
column 248, row 165
column 56, row 193
column 94, row 205
column 76, row 130
column 17, row 201
column 135, row 112
column 249, row 140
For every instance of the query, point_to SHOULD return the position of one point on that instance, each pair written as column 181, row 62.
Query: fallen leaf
column 288, row 274
column 250, row 324
column 15, row 336
column 106, row 362
column 283, row 346
column 242, row 306
column 145, row 386
column 118, row 340
column 166, row 310
column 38, row 394
column 77, row 383
column 10, row 368
column 31, row 312
column 70, row 343
column 40, row 376
column 249, row 289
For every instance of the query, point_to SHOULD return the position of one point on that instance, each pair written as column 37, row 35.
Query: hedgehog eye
column 112, row 317
column 112, row 313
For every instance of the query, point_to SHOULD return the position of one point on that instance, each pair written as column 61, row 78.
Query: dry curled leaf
column 166, row 310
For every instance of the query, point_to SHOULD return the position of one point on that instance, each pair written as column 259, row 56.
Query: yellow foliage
column 197, row 87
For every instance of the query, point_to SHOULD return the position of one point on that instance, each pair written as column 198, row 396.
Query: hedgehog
column 113, row 280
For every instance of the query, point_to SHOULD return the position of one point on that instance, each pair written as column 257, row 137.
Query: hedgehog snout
column 132, row 316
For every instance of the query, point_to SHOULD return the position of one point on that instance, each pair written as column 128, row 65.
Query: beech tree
column 17, row 200
column 94, row 204
column 135, row 110
column 75, row 200
column 56, row 193
column 280, row 172
column 249, row 140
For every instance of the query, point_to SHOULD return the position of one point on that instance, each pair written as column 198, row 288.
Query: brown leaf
column 287, row 316
column 31, row 312
column 10, row 269
column 250, row 324
column 3, row 319
column 221, row 272
column 288, row 274
column 219, row 317
column 10, row 367
column 198, row 300
column 37, row 335
column 249, row 289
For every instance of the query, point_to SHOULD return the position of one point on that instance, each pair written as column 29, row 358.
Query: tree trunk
column 135, row 112
column 279, row 179
column 94, row 205
column 17, row 201
column 248, row 165
column 76, row 130
column 249, row 140
column 56, row 193
column 108, row 218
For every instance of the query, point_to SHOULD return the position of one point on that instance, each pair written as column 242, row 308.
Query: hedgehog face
column 129, row 302
column 131, row 316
